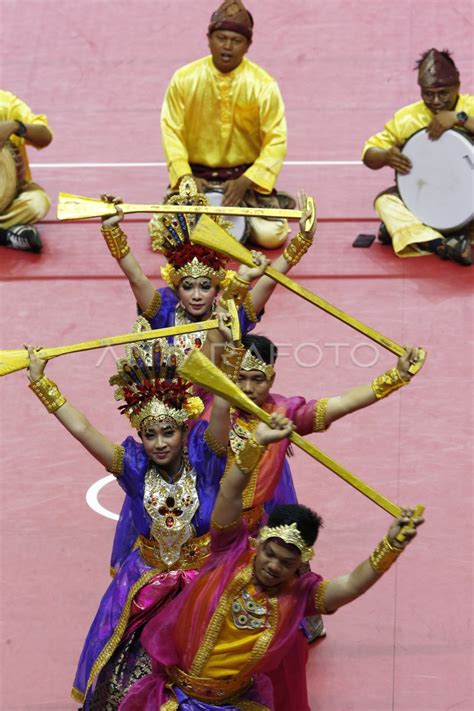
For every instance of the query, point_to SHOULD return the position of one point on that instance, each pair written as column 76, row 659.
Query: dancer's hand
column 302, row 198
column 412, row 355
column 37, row 364
column 400, row 523
column 260, row 261
column 279, row 428
column 112, row 220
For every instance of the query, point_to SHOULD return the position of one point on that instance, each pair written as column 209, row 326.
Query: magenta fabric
column 174, row 636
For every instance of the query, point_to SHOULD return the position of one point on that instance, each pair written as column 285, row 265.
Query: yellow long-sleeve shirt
column 224, row 120
column 13, row 109
column 408, row 121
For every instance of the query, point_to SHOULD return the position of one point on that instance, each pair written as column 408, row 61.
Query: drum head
column 439, row 189
column 8, row 177
column 240, row 227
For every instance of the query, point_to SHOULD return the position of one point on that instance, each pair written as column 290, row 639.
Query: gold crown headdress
column 170, row 235
column 147, row 382
column 251, row 362
column 290, row 534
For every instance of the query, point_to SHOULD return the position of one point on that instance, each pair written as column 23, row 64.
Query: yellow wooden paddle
column 199, row 370
column 13, row 360
column 76, row 207
column 211, row 235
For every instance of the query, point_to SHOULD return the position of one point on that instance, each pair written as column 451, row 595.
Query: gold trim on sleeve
column 117, row 460
column 214, row 444
column 249, row 308
column 153, row 307
column 319, row 601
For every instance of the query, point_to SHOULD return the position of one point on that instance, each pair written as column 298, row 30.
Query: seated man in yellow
column 223, row 120
column 441, row 108
column 22, row 202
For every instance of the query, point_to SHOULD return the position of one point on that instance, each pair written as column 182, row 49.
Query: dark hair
column 307, row 521
column 261, row 347
column 445, row 52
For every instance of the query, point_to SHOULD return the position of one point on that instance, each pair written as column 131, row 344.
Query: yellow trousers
column 406, row 231
column 30, row 205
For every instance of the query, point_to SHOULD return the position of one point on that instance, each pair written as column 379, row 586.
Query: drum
column 240, row 225
column 10, row 174
column 439, row 190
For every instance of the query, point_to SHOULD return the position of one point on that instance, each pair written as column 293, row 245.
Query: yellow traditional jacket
column 224, row 120
column 13, row 109
column 408, row 121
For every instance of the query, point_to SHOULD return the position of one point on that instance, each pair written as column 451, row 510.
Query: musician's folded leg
column 17, row 230
column 409, row 235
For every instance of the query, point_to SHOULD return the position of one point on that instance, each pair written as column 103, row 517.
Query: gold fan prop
column 199, row 370
column 209, row 234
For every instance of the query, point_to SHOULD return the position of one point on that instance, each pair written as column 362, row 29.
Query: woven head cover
column 437, row 70
column 146, row 381
column 170, row 235
column 232, row 16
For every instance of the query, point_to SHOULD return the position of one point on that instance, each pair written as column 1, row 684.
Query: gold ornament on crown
column 147, row 382
column 170, row 235
column 291, row 535
column 251, row 362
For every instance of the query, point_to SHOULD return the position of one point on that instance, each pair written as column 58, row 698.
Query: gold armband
column 117, row 460
column 48, row 392
column 213, row 444
column 249, row 308
column 384, row 556
column 232, row 357
column 248, row 456
column 236, row 289
column 153, row 307
column 319, row 417
column 116, row 241
column 388, row 383
column 295, row 249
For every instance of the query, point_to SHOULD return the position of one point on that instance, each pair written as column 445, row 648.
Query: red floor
column 99, row 69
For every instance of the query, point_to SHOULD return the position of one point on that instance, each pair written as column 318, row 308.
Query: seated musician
column 441, row 108
column 223, row 120
column 29, row 202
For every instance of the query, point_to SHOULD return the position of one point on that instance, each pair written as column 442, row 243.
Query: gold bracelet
column 236, row 289
column 116, row 241
column 387, row 383
column 232, row 357
column 48, row 392
column 319, row 417
column 384, row 556
column 248, row 456
column 295, row 249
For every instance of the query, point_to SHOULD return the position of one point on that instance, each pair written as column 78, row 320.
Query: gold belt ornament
column 207, row 689
column 193, row 553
